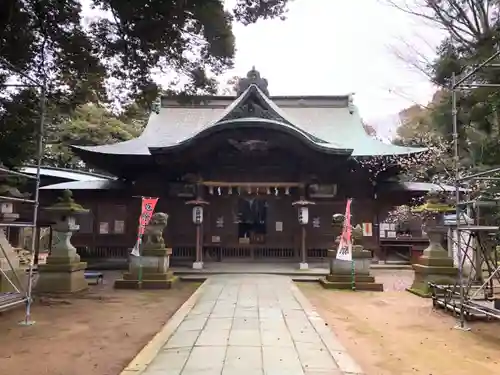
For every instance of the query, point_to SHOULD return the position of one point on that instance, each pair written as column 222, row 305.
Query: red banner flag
column 344, row 251
column 147, row 209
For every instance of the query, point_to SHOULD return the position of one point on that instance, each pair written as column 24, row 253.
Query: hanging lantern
column 303, row 215
column 249, row 190
column 211, row 190
column 230, row 190
column 219, row 191
column 197, row 215
column 276, row 191
column 287, row 191
column 238, row 189
column 268, row 191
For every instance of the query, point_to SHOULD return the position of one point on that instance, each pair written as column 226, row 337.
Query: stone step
column 362, row 286
column 348, row 278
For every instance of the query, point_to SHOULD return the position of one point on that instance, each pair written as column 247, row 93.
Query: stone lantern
column 340, row 276
column 435, row 265
column 12, row 273
column 63, row 271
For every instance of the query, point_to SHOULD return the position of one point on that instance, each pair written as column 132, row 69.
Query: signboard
column 367, row 229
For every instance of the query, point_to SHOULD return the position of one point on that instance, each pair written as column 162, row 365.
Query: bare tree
column 230, row 87
column 468, row 26
column 466, row 21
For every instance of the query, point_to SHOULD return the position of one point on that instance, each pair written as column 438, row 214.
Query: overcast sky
column 332, row 47
column 328, row 47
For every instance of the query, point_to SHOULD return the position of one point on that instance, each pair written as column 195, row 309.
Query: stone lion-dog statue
column 153, row 233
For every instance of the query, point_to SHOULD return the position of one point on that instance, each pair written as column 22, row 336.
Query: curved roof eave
column 252, row 122
column 65, row 173
column 101, row 184
column 390, row 150
column 136, row 146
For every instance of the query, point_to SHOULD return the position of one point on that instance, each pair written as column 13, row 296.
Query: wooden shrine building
column 250, row 157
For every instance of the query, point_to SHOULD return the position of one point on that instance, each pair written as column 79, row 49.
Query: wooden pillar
column 200, row 203
column 302, row 204
column 199, row 246
column 376, row 224
column 303, row 248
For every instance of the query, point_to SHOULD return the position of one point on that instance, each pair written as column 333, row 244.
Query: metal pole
column 486, row 62
column 39, row 148
column 479, row 174
column 457, row 198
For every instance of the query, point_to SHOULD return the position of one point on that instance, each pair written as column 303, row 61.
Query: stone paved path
column 252, row 325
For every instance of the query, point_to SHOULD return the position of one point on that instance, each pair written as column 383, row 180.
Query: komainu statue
column 153, row 234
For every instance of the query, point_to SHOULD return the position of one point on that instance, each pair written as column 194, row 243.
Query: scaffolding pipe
column 39, row 148
column 479, row 174
column 457, row 196
column 10, row 171
column 13, row 271
column 12, row 304
column 14, row 199
column 476, row 69
column 17, row 225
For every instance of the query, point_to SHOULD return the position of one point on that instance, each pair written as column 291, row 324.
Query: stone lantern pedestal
column 435, row 265
column 340, row 276
column 9, row 260
column 151, row 270
column 63, row 271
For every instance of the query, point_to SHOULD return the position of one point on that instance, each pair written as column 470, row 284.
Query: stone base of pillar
column 155, row 273
column 197, row 265
column 303, row 266
column 344, row 282
column 340, row 276
column 61, row 278
column 150, row 280
column 432, row 269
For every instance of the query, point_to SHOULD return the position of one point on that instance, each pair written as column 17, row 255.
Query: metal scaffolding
column 22, row 292
column 473, row 295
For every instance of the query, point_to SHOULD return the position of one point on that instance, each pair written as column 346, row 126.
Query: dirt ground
column 98, row 334
column 397, row 333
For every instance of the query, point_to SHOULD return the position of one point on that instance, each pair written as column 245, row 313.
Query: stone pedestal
column 435, row 265
column 340, row 271
column 303, row 266
column 63, row 271
column 151, row 270
column 9, row 261
column 197, row 265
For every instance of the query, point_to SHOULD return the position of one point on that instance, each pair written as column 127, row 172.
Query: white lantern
column 303, row 215
column 197, row 214
column 6, row 207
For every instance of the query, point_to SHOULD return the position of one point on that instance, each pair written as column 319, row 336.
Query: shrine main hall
column 266, row 173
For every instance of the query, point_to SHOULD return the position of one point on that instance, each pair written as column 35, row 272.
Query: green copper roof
column 330, row 123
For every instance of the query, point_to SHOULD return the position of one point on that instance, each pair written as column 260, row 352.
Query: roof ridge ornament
column 253, row 78
column 156, row 105
column 350, row 103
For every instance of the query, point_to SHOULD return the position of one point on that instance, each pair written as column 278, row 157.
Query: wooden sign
column 367, row 229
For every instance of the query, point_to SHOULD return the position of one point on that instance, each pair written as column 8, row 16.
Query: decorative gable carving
column 253, row 106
